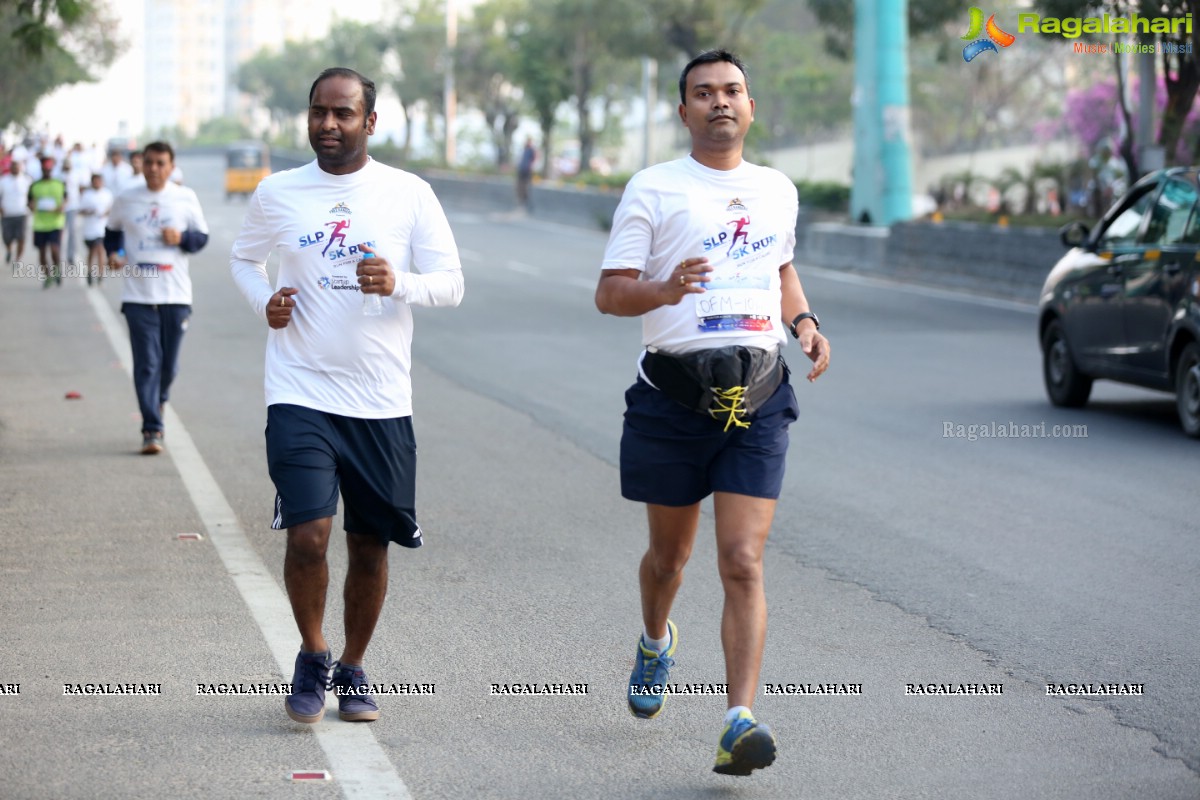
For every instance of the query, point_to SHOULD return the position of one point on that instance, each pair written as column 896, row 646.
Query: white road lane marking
column 356, row 760
column 526, row 269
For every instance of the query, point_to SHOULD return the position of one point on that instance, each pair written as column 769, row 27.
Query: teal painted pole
column 866, row 183
column 892, row 44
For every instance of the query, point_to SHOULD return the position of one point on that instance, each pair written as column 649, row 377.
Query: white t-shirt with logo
column 743, row 220
column 331, row 357
column 159, row 272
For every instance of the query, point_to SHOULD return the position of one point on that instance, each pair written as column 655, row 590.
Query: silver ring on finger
column 683, row 280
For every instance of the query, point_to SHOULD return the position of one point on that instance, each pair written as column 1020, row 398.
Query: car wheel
column 1065, row 384
column 1187, row 389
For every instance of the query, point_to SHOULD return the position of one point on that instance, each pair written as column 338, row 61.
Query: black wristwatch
column 801, row 317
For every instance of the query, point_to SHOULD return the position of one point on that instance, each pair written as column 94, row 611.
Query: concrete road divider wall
column 1005, row 262
column 570, row 205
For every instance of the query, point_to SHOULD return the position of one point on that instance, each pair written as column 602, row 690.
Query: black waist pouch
column 728, row 383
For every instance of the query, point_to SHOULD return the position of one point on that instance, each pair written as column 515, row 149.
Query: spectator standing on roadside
column 525, row 173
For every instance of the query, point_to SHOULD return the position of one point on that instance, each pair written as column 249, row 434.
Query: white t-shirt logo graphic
column 338, row 234
column 742, row 231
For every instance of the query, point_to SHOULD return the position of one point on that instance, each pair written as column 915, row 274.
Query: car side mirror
column 1073, row 234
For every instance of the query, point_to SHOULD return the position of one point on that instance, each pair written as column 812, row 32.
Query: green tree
column 51, row 43
column 539, row 69
column 799, row 92
column 360, row 46
column 692, row 26
column 407, row 56
column 281, row 80
column 419, row 59
column 837, row 18
column 924, row 17
column 601, row 38
column 220, row 130
column 486, row 70
column 995, row 101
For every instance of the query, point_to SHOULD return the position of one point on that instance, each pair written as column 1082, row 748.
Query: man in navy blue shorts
column 339, row 395
column 701, row 249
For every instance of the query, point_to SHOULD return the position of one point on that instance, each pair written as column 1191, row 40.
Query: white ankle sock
column 657, row 645
column 732, row 713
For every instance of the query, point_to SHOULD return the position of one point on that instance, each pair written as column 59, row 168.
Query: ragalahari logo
column 995, row 36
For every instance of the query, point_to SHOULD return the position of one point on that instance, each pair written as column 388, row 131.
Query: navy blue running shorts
column 312, row 454
column 674, row 456
column 47, row 238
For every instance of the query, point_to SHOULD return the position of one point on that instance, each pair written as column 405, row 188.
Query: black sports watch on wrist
column 800, row 318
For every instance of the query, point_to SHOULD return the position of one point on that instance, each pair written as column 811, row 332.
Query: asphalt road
column 900, row 555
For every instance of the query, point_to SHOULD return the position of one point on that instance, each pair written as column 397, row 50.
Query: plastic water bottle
column 372, row 305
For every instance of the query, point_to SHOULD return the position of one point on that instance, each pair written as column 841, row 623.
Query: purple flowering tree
column 1093, row 116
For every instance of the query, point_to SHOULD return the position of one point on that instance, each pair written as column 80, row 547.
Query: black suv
column 1123, row 303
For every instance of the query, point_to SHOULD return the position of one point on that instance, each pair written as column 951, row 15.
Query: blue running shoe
column 355, row 703
column 651, row 671
column 310, row 679
column 745, row 746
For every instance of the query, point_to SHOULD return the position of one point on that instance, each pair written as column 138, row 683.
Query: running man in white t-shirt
column 152, row 229
column 94, row 205
column 14, row 209
column 701, row 250
column 339, row 399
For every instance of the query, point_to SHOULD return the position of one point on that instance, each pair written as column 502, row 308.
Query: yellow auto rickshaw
column 246, row 163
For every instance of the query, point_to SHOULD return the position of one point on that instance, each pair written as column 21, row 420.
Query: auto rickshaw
column 246, row 163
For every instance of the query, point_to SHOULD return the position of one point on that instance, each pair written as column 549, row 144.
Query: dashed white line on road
column 526, row 269
column 356, row 760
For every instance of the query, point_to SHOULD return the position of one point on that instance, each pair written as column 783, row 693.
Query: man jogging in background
column 116, row 171
column 157, row 225
column 14, row 210
column 94, row 205
column 47, row 202
column 701, row 249
column 338, row 392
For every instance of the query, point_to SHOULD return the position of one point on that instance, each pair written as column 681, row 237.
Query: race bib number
column 736, row 299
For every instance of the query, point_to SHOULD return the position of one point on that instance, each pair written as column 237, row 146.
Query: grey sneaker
column 310, row 679
column 355, row 703
column 152, row 443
